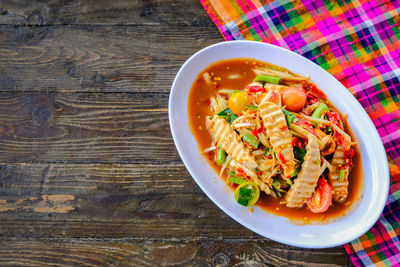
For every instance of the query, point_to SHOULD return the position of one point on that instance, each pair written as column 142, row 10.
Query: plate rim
column 220, row 205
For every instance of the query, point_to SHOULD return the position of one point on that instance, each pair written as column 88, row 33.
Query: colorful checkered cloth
column 359, row 43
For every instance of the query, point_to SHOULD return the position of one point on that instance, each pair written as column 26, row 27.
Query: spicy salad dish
column 275, row 139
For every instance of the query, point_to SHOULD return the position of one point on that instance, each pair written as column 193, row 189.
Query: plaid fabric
column 359, row 43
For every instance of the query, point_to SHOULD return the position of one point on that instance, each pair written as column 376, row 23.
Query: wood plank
column 96, row 59
column 85, row 127
column 120, row 12
column 24, row 183
column 108, row 200
column 116, row 252
column 157, row 211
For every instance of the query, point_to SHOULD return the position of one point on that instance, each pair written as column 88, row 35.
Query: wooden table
column 89, row 174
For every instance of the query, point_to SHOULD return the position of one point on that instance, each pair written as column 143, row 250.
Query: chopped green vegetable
column 296, row 172
column 341, row 175
column 277, row 186
column 318, row 111
column 288, row 181
column 329, row 129
column 236, row 180
column 221, row 156
column 244, row 196
column 299, row 153
column 243, row 201
column 267, row 79
column 289, row 116
column 251, row 139
column 228, row 115
column 266, row 151
column 252, row 107
column 256, row 169
column 247, row 194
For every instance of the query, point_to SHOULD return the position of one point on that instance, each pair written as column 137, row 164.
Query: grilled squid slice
column 339, row 184
column 280, row 137
column 230, row 141
column 306, row 181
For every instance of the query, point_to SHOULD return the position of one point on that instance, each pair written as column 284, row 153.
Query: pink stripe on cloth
column 359, row 43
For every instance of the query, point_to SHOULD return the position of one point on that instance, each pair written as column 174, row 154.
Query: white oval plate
column 374, row 161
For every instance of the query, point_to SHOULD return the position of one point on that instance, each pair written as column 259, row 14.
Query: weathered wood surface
column 85, row 127
column 92, row 251
column 92, row 12
column 89, row 174
column 93, row 58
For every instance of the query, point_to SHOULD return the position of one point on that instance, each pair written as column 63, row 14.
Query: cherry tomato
column 321, row 199
column 238, row 101
column 294, row 98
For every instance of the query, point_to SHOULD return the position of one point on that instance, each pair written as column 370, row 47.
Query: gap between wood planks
column 96, row 59
column 85, row 128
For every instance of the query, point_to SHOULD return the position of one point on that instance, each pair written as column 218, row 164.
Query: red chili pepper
column 297, row 142
column 339, row 139
column 348, row 155
column 301, row 143
column 335, row 118
column 306, row 125
column 294, row 141
column 240, row 173
column 256, row 131
column 311, row 99
column 281, row 158
column 312, row 89
column 255, row 89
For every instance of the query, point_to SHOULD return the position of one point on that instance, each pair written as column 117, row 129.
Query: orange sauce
column 198, row 110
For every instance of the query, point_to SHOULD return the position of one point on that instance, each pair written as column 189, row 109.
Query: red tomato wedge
column 321, row 199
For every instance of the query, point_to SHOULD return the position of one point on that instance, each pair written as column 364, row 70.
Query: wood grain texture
column 85, row 127
column 92, row 12
column 93, row 204
column 104, row 200
column 96, row 59
column 130, row 252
